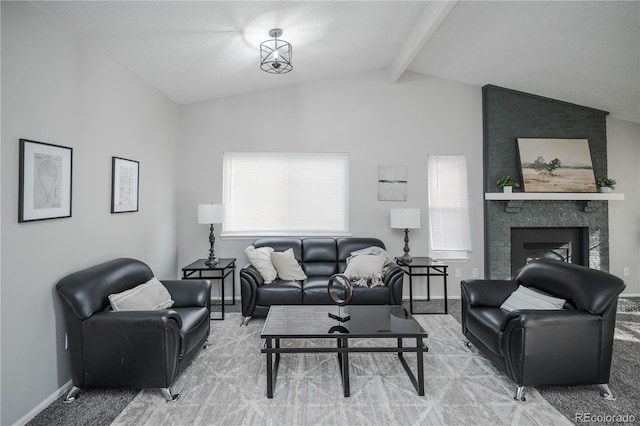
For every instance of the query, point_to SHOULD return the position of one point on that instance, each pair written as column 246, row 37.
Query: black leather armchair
column 572, row 346
column 131, row 349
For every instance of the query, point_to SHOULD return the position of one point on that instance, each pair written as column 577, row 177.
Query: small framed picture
column 124, row 185
column 45, row 181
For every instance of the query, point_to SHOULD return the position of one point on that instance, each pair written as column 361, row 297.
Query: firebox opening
column 564, row 244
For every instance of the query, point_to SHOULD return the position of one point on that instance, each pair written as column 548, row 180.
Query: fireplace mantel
column 558, row 196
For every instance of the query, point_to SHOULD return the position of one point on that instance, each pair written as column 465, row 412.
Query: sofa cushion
column 150, row 296
column 320, row 256
column 370, row 296
column 280, row 293
column 526, row 298
column 195, row 326
column 282, row 244
column 260, row 258
column 485, row 325
column 316, row 291
column 287, row 266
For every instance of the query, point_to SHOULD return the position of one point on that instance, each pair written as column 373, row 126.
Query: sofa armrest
column 189, row 293
column 393, row 277
column 250, row 280
column 571, row 338
column 491, row 293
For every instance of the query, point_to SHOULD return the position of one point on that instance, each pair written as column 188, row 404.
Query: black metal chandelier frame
column 275, row 55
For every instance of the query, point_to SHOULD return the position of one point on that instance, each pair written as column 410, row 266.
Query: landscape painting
column 556, row 165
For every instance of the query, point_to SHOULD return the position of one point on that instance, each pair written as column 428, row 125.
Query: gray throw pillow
column 287, row 266
column 526, row 298
column 150, row 296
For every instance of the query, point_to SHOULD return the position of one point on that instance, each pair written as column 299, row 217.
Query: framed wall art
column 556, row 165
column 44, row 181
column 392, row 183
column 125, row 176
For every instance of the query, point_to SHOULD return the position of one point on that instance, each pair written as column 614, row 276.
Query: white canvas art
column 392, row 183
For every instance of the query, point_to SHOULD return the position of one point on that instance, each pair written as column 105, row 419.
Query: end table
column 198, row 270
column 433, row 268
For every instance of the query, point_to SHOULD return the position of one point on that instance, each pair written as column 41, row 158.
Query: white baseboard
column 44, row 404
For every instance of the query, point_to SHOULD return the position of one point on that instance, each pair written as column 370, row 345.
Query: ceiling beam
column 428, row 23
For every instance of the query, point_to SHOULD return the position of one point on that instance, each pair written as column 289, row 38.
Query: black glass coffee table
column 305, row 322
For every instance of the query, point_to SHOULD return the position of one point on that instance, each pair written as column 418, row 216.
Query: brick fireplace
column 508, row 115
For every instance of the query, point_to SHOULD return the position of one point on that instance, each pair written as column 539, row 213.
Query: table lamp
column 405, row 219
column 211, row 214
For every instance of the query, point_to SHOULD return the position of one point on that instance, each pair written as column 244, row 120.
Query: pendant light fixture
column 275, row 55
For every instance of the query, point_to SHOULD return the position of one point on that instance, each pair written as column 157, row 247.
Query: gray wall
column 623, row 145
column 57, row 90
column 375, row 122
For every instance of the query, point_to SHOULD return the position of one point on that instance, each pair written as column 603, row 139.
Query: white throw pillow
column 287, row 266
column 364, row 268
column 150, row 296
column 260, row 258
column 525, row 298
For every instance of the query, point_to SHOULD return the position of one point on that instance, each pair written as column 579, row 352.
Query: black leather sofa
column 131, row 349
column 320, row 258
column 571, row 346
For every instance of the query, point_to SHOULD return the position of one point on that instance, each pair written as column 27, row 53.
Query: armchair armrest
column 133, row 320
column 393, row 277
column 571, row 338
column 189, row 293
column 486, row 292
column 115, row 345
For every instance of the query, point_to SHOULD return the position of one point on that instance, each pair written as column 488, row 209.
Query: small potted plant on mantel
column 606, row 184
column 507, row 183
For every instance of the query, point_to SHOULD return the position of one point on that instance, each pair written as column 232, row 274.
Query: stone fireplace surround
column 508, row 115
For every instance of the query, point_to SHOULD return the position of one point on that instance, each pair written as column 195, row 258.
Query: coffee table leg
column 420, row 367
column 269, row 370
column 345, row 369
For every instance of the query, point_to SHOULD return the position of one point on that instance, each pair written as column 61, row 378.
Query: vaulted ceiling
column 581, row 52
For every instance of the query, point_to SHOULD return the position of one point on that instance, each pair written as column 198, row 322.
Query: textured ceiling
column 582, row 52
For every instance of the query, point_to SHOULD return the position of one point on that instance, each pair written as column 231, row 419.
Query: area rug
column 226, row 385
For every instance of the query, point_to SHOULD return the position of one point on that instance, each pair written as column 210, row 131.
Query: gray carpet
column 102, row 407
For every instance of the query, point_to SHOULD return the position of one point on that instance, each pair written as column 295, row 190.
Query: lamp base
column 212, row 262
column 406, row 258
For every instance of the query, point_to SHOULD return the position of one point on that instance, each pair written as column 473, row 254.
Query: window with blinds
column 448, row 206
column 285, row 193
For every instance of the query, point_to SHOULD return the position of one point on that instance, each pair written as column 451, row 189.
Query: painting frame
column 125, row 185
column 556, row 165
column 393, row 182
column 45, row 181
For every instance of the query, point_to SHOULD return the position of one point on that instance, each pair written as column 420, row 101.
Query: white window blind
column 285, row 193
column 448, row 203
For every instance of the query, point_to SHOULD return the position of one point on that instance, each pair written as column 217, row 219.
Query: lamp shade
column 405, row 218
column 210, row 213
